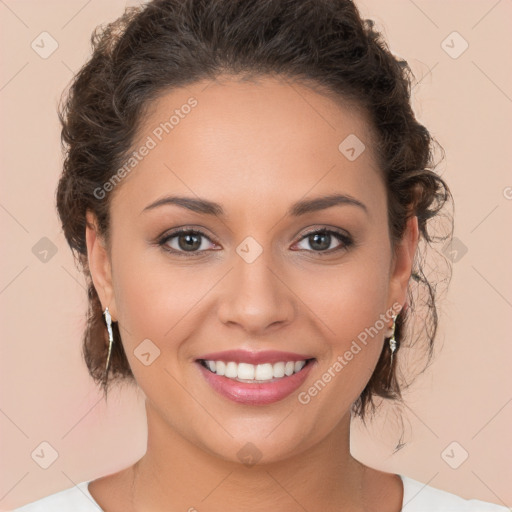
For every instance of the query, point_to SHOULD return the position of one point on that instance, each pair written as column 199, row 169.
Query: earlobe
column 403, row 260
column 99, row 264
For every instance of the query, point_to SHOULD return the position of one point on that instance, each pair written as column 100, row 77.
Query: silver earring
column 108, row 319
column 392, row 341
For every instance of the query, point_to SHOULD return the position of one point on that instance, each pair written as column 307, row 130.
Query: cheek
column 157, row 299
column 350, row 302
column 348, row 298
column 150, row 300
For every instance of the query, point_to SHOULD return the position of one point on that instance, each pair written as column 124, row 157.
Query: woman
column 246, row 188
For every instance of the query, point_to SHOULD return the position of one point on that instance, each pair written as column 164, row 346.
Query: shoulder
column 74, row 499
column 419, row 497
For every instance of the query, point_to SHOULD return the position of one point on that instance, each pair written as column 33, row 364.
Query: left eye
column 321, row 240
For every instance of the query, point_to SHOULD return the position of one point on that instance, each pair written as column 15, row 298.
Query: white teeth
column 278, row 370
column 245, row 371
column 231, row 370
column 298, row 366
column 220, row 367
column 264, row 372
column 255, row 373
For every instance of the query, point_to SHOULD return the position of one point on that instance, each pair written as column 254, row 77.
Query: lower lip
column 256, row 394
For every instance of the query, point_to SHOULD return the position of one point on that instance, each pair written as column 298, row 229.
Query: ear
column 401, row 264
column 99, row 265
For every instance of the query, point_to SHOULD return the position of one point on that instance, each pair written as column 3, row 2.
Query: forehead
column 247, row 142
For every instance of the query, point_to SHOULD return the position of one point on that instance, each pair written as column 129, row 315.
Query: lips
column 255, row 378
column 245, row 356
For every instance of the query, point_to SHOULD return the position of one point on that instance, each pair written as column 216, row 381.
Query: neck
column 177, row 473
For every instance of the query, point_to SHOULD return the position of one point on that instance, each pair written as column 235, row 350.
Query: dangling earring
column 108, row 319
column 392, row 341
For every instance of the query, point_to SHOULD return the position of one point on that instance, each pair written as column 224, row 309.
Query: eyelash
column 346, row 240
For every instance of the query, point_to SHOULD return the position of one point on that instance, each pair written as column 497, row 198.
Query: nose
column 256, row 297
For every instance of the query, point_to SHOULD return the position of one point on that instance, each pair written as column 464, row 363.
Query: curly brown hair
column 166, row 44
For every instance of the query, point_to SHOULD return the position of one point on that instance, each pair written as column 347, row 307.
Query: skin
column 255, row 148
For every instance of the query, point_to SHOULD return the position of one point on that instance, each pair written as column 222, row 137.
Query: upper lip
column 247, row 356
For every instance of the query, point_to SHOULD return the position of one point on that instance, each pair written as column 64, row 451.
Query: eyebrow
column 297, row 209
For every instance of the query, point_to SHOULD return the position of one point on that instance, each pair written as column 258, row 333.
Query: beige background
column 465, row 396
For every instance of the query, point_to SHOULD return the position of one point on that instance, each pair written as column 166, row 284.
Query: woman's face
column 252, row 279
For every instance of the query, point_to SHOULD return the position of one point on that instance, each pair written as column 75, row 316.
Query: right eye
column 183, row 241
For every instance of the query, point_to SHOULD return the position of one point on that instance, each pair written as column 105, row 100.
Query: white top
column 418, row 497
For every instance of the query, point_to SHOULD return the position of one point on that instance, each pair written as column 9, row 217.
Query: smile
column 246, row 372
column 255, row 378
